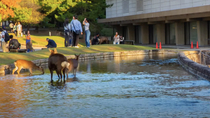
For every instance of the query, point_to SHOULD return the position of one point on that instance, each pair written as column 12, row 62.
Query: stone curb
column 4, row 69
column 186, row 61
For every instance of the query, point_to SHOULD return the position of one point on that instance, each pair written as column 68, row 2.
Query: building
column 172, row 22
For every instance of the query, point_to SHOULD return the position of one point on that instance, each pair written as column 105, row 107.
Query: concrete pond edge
column 189, row 61
column 6, row 69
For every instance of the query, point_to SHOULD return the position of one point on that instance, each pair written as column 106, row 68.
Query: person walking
column 87, row 32
column 19, row 29
column 67, row 33
column 28, row 42
column 77, row 29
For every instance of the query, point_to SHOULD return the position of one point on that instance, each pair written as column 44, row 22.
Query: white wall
column 150, row 6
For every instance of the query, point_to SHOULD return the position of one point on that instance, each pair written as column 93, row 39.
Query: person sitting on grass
column 51, row 43
column 95, row 40
column 13, row 43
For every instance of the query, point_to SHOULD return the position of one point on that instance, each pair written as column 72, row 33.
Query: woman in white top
column 87, row 32
column 19, row 29
column 116, row 39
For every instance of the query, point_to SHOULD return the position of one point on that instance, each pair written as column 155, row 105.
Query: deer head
column 54, row 51
column 77, row 56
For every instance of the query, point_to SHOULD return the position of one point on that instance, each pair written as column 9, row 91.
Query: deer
column 53, row 51
column 55, row 61
column 71, row 64
column 24, row 64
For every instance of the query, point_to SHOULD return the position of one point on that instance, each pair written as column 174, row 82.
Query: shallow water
column 122, row 87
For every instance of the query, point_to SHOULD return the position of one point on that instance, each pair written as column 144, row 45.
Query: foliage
column 35, row 17
column 7, row 8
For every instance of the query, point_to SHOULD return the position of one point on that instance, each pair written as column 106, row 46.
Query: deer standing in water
column 24, row 64
column 55, row 64
column 71, row 64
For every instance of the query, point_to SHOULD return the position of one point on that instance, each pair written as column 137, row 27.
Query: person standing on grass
column 28, row 42
column 4, row 39
column 116, row 39
column 77, row 29
column 19, row 29
column 11, row 25
column 15, row 29
column 67, row 33
column 87, row 32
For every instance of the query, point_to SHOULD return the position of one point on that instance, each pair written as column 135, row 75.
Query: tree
column 7, row 8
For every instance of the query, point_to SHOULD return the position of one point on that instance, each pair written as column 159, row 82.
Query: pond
column 136, row 86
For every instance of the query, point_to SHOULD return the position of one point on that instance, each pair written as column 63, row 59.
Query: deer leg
column 75, row 72
column 51, row 72
column 13, row 72
column 18, row 71
column 64, row 70
column 30, row 72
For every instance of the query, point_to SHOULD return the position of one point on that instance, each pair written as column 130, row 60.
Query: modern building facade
column 172, row 22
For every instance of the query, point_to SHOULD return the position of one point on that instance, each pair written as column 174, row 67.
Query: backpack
column 6, row 37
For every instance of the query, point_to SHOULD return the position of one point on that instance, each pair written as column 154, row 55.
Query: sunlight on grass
column 41, row 40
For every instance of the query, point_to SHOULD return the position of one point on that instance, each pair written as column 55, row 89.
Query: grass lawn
column 8, row 58
column 40, row 41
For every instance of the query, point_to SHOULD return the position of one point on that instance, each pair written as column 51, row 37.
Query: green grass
column 8, row 58
column 40, row 41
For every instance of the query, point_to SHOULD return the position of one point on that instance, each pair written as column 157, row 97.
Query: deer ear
column 55, row 50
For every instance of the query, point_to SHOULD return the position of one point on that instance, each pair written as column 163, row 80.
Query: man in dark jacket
column 51, row 43
column 95, row 40
column 13, row 43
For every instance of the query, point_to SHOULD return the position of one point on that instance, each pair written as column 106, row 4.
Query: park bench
column 129, row 42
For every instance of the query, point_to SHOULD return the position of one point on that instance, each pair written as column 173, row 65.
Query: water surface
column 150, row 86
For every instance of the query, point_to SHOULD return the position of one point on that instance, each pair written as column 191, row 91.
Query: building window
column 139, row 5
column 125, row 6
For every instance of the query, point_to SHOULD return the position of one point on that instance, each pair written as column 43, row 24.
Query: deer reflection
column 74, row 79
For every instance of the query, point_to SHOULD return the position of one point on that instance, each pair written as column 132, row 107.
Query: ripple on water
column 125, row 89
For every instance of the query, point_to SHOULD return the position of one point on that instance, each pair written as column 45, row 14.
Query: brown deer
column 24, row 64
column 53, row 51
column 71, row 65
column 54, row 64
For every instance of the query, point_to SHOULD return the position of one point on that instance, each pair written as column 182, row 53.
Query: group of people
column 72, row 31
column 16, row 28
column 118, row 39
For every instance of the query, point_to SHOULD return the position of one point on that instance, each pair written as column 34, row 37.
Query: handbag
column 76, row 31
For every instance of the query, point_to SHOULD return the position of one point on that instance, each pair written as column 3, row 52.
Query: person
column 29, row 47
column 121, row 40
column 116, row 39
column 19, row 29
column 95, row 39
column 87, row 32
column 4, row 36
column 67, row 33
column 11, row 25
column 77, row 29
column 13, row 43
column 15, row 29
column 51, row 43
